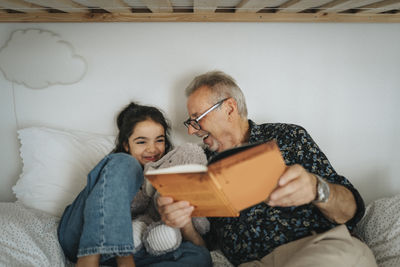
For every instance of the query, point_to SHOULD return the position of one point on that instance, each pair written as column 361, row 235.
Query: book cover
column 233, row 180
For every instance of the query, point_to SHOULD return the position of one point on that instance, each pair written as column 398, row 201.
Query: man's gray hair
column 222, row 86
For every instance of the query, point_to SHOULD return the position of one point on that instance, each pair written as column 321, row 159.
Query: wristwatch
column 323, row 191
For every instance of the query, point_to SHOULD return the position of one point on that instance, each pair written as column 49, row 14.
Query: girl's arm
column 189, row 233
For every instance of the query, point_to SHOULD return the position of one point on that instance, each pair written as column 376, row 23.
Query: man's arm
column 298, row 187
column 341, row 205
column 178, row 215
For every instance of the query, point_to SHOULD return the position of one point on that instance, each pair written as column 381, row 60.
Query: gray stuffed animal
column 148, row 229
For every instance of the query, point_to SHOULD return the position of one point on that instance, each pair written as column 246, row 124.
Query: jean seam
column 102, row 223
column 117, row 250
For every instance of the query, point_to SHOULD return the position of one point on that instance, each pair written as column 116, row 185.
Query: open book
column 233, row 180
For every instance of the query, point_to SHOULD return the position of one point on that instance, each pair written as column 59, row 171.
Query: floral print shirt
column 261, row 228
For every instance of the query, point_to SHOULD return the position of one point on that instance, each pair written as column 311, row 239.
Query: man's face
column 214, row 126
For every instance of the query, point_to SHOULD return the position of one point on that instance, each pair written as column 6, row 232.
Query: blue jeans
column 99, row 220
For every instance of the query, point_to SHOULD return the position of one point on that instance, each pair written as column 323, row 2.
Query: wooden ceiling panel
column 382, row 6
column 111, row 6
column 253, row 6
column 294, row 6
column 204, row 6
column 343, row 5
column 63, row 5
column 21, row 6
column 156, row 6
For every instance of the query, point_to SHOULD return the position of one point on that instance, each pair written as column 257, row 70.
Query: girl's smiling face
column 147, row 142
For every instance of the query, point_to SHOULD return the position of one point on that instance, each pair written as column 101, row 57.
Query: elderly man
column 308, row 218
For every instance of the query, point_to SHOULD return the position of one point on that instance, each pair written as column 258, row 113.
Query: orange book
column 233, row 180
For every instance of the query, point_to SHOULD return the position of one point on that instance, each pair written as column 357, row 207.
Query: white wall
column 339, row 81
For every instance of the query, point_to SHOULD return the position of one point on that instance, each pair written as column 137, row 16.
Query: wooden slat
column 204, row 6
column 21, row 6
column 156, row 6
column 117, row 6
column 252, row 6
column 379, row 7
column 342, row 5
column 193, row 17
column 295, row 6
column 63, row 5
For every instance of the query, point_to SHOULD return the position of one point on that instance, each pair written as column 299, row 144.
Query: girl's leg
column 126, row 261
column 88, row 261
column 99, row 220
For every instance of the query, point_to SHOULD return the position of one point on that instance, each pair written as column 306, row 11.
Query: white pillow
column 55, row 166
column 380, row 230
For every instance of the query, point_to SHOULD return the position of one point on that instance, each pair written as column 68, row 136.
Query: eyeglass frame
column 196, row 124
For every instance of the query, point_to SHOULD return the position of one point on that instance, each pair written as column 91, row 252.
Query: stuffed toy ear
column 148, row 189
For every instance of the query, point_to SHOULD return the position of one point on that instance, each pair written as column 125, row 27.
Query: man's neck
column 243, row 134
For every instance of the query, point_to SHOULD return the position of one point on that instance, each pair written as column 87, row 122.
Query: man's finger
column 291, row 173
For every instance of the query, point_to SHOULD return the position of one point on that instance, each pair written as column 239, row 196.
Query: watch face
column 322, row 190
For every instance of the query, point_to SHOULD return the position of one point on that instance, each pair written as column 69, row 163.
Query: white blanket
column 28, row 237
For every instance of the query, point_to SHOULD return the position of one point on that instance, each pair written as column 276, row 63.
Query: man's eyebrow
column 194, row 115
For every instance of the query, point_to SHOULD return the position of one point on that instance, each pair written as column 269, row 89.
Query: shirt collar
column 255, row 130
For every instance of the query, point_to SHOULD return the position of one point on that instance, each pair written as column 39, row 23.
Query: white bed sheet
column 28, row 237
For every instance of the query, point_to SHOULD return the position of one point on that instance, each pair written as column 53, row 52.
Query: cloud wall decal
column 38, row 59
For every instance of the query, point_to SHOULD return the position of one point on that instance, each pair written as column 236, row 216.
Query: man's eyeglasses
column 195, row 122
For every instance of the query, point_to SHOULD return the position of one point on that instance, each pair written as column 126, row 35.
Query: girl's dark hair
column 131, row 115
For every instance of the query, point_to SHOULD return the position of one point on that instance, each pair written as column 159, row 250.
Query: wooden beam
column 194, row 17
column 156, row 6
column 382, row 6
column 21, row 6
column 204, row 6
column 111, row 6
column 253, row 6
column 295, row 6
column 63, row 5
column 342, row 5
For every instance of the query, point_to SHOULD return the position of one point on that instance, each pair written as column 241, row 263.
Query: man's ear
column 231, row 106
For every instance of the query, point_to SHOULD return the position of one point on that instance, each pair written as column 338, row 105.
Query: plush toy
column 148, row 229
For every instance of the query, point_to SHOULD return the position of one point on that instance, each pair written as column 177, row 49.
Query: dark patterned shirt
column 261, row 228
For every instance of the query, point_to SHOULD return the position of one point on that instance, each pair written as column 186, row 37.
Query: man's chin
column 212, row 147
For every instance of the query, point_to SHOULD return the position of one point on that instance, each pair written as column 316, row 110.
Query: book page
column 178, row 169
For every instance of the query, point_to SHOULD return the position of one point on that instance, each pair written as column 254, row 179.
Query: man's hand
column 295, row 187
column 174, row 214
column 298, row 187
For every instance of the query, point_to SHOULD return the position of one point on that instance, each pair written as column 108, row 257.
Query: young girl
column 97, row 227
